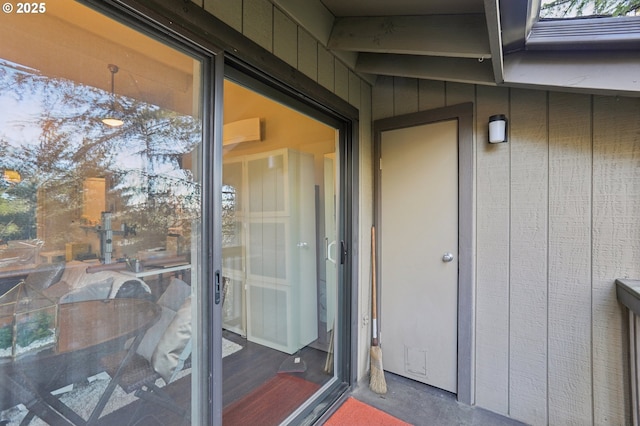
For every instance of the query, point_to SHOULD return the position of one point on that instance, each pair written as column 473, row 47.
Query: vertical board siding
column 326, row 66
column 492, row 257
column 616, row 240
column 285, row 38
column 341, row 80
column 354, row 89
column 405, row 98
column 229, row 12
column 457, row 93
column 528, row 257
column 382, row 98
column 430, row 94
column 257, row 22
column 570, row 172
column 557, row 221
column 307, row 54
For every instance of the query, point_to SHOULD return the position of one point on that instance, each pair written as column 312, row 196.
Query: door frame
column 463, row 113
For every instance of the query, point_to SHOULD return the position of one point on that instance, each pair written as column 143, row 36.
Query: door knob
column 448, row 257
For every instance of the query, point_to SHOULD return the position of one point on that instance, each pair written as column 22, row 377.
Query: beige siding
column 430, row 94
column 557, row 220
column 457, row 93
column 354, row 90
column 257, row 22
column 326, row 75
column 405, row 99
column 307, row 54
column 528, row 257
column 570, row 316
column 229, row 12
column 341, row 80
column 383, row 100
column 285, row 38
column 616, row 251
column 492, row 259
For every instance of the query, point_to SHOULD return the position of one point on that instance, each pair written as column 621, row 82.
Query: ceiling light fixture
column 12, row 176
column 112, row 119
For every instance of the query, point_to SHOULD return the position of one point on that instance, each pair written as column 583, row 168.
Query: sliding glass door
column 101, row 219
column 155, row 269
column 280, row 256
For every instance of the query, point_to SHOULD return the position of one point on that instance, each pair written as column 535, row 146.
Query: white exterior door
column 418, row 252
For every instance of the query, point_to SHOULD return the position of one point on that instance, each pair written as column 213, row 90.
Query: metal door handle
column 329, row 250
column 448, row 257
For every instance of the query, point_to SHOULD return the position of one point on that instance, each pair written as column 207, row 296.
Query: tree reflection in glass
column 52, row 137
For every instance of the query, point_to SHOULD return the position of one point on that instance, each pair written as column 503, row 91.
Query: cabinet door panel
column 275, row 234
column 268, row 320
column 267, row 190
column 267, row 248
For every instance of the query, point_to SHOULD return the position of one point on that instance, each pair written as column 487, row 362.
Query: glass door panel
column 284, row 228
column 101, row 137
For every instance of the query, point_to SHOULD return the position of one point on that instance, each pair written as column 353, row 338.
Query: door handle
column 329, row 250
column 448, row 257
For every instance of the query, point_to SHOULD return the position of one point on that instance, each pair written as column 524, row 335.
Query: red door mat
column 356, row 413
column 270, row 403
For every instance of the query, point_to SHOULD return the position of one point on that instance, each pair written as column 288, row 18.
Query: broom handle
column 374, row 301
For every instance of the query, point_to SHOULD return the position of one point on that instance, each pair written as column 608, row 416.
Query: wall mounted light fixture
column 497, row 128
column 113, row 117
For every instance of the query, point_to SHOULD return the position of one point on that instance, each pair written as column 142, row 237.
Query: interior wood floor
column 243, row 371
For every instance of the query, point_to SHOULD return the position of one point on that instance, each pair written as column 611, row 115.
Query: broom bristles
column 377, row 381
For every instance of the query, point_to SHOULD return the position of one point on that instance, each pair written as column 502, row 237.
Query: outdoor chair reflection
column 86, row 329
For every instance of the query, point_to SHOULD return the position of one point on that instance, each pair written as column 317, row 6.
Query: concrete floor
column 423, row 405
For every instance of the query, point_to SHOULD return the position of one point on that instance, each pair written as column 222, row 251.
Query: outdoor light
column 497, row 128
column 112, row 119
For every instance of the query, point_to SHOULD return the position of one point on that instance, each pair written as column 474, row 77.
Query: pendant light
column 112, row 119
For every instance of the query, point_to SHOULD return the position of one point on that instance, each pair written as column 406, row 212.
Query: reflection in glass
column 279, row 233
column 98, row 225
column 568, row 9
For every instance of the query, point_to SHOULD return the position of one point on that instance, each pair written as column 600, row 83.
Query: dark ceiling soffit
column 209, row 30
column 460, row 70
column 401, row 7
column 596, row 72
column 463, row 36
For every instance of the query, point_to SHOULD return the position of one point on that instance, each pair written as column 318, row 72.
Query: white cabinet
column 272, row 248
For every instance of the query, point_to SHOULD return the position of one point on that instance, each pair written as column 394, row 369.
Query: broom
column 377, row 382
